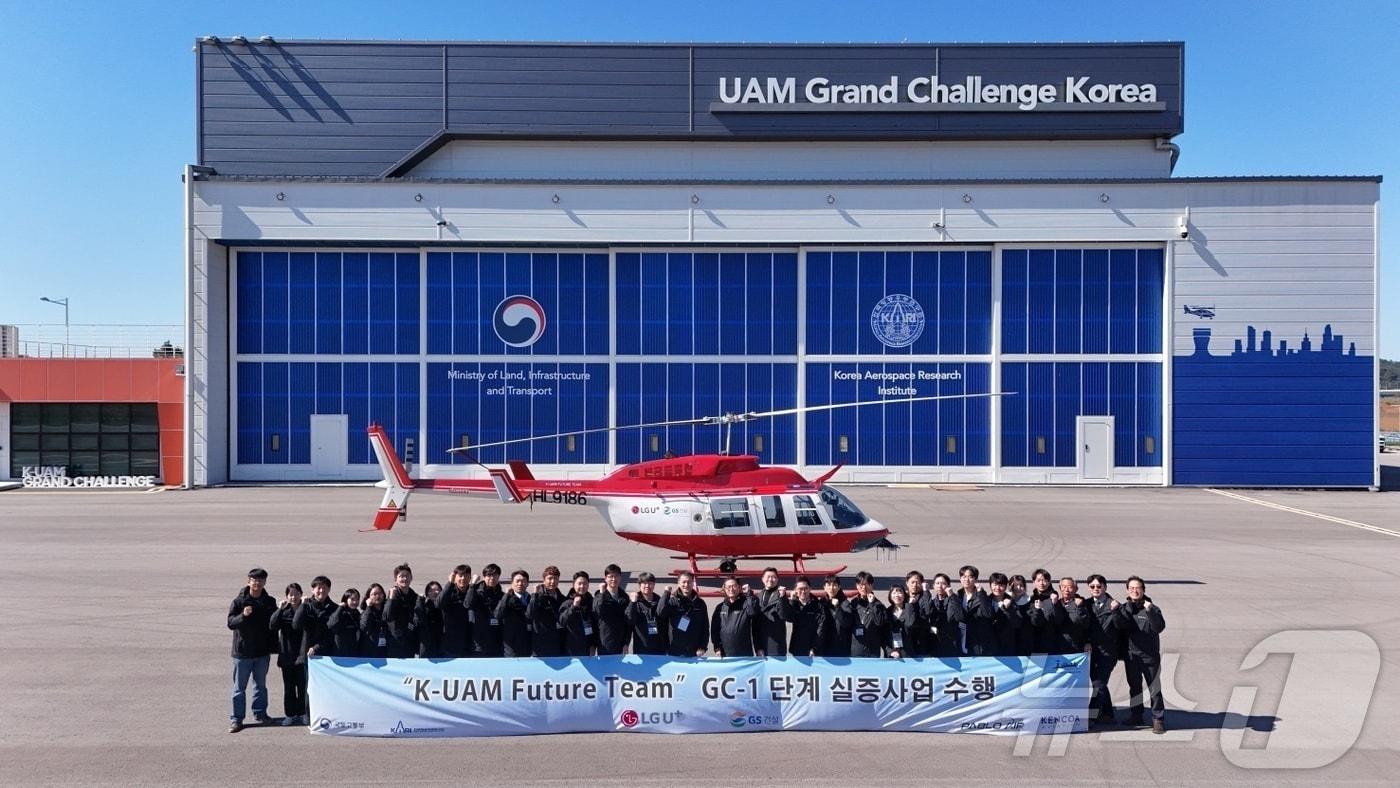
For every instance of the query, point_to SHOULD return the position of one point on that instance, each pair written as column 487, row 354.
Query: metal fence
column 101, row 340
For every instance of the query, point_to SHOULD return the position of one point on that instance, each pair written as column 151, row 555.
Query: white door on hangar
column 1095, row 448
column 330, row 447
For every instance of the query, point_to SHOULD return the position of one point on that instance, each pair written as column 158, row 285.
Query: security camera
column 1182, row 229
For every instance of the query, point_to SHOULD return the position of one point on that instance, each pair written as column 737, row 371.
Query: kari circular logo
column 519, row 321
column 629, row 719
column 897, row 320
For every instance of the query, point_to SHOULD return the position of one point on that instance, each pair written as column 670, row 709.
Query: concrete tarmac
column 116, row 665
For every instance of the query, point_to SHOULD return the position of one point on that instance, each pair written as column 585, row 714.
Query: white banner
column 508, row 697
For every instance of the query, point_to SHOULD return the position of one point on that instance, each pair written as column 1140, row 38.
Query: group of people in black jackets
column 475, row 616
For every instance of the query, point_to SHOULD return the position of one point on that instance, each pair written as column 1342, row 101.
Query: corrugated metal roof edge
column 226, row 40
column 789, row 182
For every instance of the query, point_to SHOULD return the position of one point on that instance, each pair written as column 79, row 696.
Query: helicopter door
column 807, row 514
column 770, row 507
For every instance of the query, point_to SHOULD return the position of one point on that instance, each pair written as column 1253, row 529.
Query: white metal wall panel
column 581, row 160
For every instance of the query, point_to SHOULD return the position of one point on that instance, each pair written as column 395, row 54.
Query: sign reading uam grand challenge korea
column 645, row 694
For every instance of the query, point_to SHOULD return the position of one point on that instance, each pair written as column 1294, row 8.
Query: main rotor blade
column 677, row 423
column 719, row 420
column 808, row 408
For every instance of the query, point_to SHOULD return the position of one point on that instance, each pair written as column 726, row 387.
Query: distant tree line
column 1390, row 374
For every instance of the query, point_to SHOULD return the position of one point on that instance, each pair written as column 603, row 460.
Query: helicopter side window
column 844, row 512
column 807, row 515
column 730, row 512
column 773, row 512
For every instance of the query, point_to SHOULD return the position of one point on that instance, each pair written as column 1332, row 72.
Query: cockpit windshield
column 844, row 512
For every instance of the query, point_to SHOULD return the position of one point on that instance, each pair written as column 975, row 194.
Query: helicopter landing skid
column 799, row 566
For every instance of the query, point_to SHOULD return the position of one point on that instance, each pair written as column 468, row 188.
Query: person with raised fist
column 837, row 621
column 610, row 613
column 484, row 593
column 734, row 624
column 543, row 613
column 806, row 614
column 290, row 658
column 398, row 614
column 248, row 617
column 576, row 619
column 512, row 611
column 773, row 616
column 374, row 631
column 1143, row 622
column 1102, row 625
column 904, row 625
column 688, row 616
column 867, row 618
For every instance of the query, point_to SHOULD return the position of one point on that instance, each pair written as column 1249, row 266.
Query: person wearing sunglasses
column 1103, row 630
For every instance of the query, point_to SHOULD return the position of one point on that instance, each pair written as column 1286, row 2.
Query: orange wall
column 107, row 380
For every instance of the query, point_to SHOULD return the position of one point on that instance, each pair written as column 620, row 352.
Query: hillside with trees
column 1390, row 374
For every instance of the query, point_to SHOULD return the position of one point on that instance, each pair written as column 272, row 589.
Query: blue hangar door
column 1082, row 348
column 464, row 348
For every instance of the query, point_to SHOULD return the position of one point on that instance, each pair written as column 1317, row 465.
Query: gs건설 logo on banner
column 898, row 320
column 519, row 321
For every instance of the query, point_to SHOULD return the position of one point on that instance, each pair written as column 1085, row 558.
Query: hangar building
column 474, row 242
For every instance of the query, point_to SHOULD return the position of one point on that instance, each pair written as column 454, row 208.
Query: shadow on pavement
column 1390, row 478
column 1219, row 720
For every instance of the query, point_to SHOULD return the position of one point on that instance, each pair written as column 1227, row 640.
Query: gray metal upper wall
column 324, row 108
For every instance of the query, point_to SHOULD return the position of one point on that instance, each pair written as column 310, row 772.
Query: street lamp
column 63, row 302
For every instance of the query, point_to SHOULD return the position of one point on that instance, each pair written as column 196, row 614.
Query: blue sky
column 99, row 104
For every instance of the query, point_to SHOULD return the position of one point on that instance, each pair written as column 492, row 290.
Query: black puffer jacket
column 398, row 616
column 345, row 629
column 807, row 622
column 427, row 624
column 313, row 620
column 546, row 634
column 610, row 614
column 867, row 626
column 733, row 626
column 456, row 622
column 580, row 627
column 1102, row 627
column 512, row 612
column 650, row 631
column 374, row 633
column 904, row 631
column 1143, row 626
column 692, row 614
column 252, row 637
column 286, row 638
column 481, row 601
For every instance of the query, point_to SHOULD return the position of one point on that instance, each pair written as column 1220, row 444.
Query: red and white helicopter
column 711, row 506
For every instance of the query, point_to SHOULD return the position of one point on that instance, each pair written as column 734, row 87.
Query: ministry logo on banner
column 898, row 320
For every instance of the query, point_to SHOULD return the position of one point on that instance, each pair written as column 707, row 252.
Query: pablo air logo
column 897, row 320
column 519, row 321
